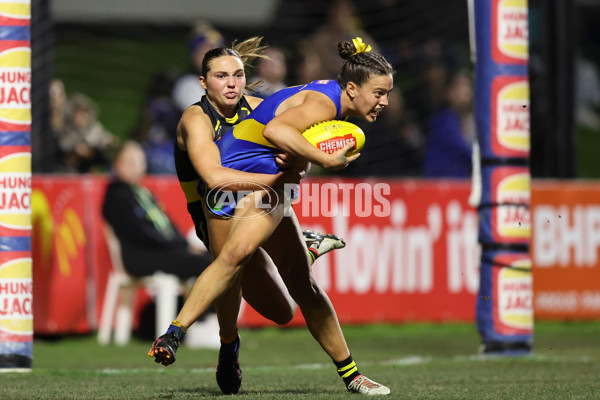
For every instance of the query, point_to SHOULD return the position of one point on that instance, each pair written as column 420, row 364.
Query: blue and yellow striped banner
column 16, row 294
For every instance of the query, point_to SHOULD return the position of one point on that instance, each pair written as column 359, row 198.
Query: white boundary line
column 404, row 361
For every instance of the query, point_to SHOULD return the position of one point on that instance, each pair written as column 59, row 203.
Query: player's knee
column 236, row 256
column 280, row 310
column 307, row 293
column 284, row 317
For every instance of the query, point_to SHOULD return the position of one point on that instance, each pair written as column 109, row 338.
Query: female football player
column 222, row 107
column 274, row 126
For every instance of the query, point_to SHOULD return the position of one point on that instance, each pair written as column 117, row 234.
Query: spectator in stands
column 318, row 61
column 587, row 93
column 150, row 241
column 272, row 71
column 52, row 154
column 452, row 132
column 156, row 130
column 394, row 145
column 187, row 89
column 423, row 69
column 58, row 101
column 83, row 139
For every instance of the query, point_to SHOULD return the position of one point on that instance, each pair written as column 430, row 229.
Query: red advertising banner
column 411, row 253
column 59, row 249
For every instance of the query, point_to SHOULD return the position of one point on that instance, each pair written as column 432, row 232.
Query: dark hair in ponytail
column 246, row 51
column 360, row 66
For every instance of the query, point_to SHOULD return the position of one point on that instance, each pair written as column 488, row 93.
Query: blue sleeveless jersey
column 245, row 148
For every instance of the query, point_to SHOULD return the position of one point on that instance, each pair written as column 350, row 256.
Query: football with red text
column 330, row 136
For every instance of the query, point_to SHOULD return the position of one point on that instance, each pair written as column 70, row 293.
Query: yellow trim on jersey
column 232, row 120
column 190, row 189
column 216, row 128
column 251, row 130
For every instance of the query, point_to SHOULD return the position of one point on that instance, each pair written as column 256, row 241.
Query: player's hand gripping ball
column 330, row 136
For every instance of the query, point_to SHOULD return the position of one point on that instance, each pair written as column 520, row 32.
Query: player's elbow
column 211, row 184
column 270, row 132
column 214, row 180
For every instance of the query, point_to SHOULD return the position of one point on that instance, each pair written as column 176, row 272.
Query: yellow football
column 330, row 136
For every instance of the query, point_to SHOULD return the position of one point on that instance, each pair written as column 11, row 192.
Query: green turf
column 416, row 361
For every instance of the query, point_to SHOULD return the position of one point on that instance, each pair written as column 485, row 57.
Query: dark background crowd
column 97, row 85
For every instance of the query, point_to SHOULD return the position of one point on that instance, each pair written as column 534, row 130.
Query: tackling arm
column 196, row 133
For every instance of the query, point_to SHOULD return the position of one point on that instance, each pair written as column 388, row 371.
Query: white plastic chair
column 120, row 295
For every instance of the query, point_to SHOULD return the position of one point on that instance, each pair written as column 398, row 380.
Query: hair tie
column 360, row 46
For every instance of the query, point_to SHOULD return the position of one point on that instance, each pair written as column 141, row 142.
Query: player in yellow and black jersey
column 195, row 189
column 190, row 182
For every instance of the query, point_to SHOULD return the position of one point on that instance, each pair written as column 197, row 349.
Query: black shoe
column 229, row 373
column 164, row 348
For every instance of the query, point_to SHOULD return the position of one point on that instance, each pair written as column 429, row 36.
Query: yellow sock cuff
column 180, row 326
column 313, row 256
column 347, row 370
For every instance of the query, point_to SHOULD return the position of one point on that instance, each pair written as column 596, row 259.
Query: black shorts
column 197, row 214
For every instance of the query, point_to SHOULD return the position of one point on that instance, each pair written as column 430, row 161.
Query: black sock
column 230, row 348
column 347, row 369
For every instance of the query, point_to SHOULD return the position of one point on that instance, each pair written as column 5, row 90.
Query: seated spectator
column 451, row 133
column 149, row 240
column 83, row 140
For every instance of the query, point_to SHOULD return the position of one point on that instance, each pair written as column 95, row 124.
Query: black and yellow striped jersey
column 189, row 180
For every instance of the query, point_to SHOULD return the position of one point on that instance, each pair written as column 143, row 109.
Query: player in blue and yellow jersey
column 274, row 127
column 247, row 149
column 222, row 108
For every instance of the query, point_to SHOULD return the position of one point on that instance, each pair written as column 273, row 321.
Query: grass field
column 417, row 362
